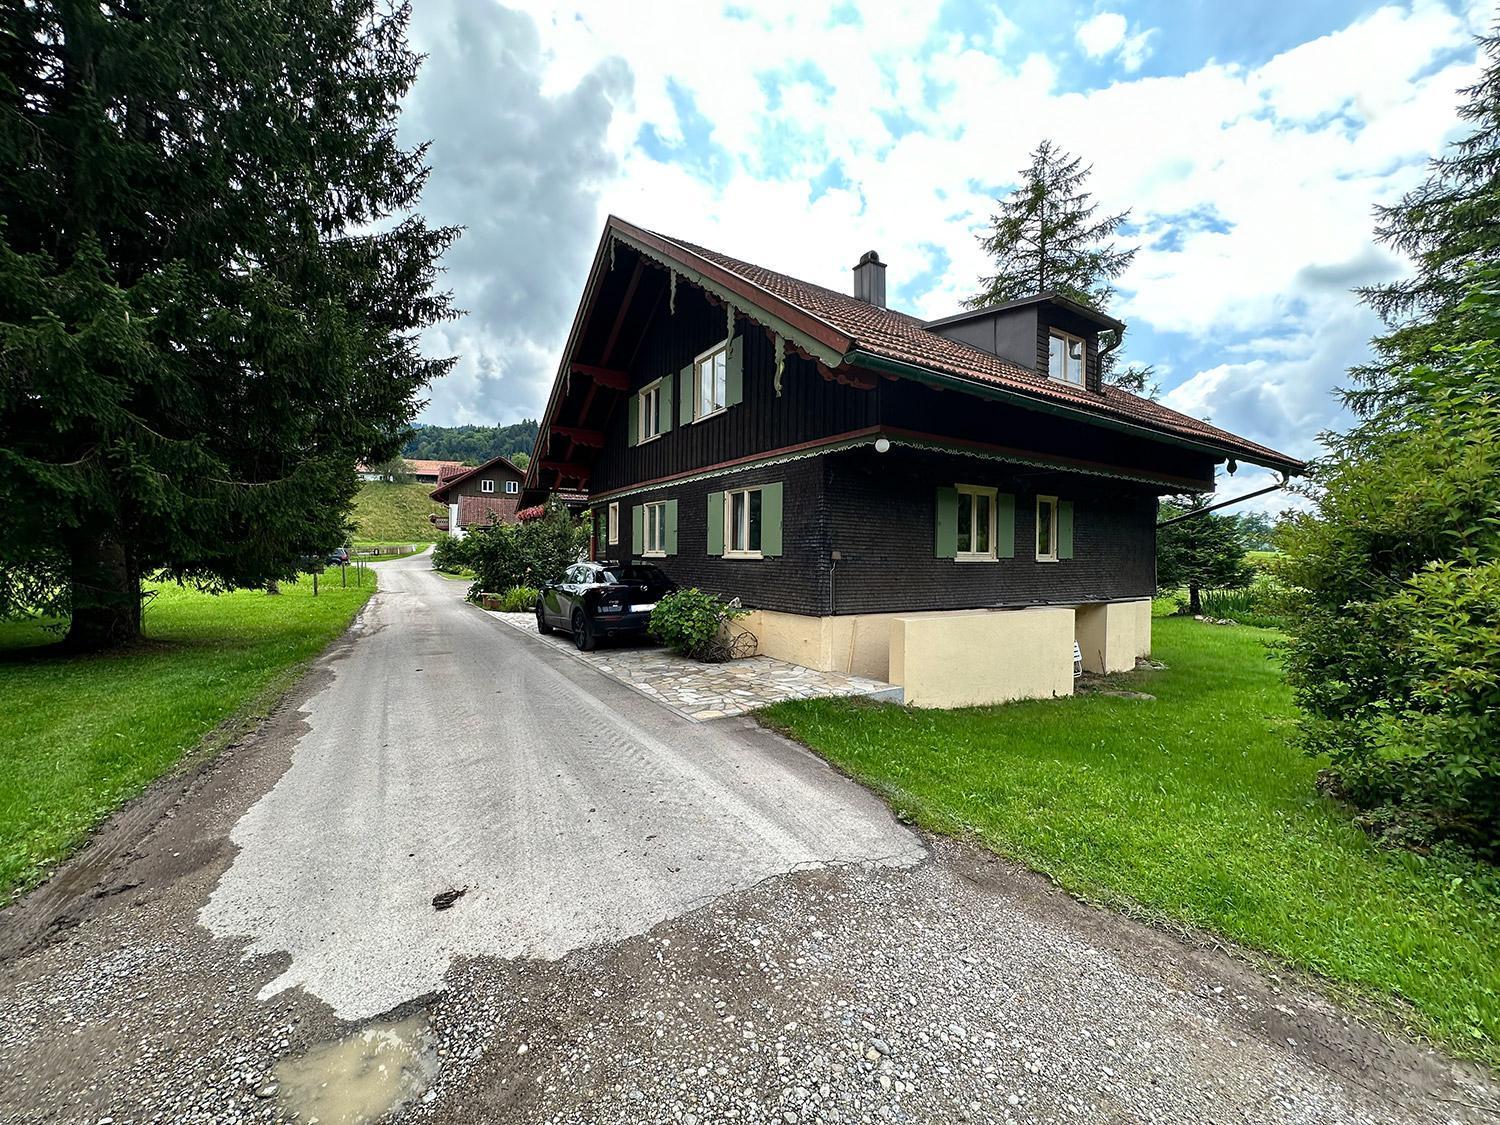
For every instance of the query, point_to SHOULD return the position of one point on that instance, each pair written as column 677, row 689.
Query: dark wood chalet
column 479, row 496
column 872, row 485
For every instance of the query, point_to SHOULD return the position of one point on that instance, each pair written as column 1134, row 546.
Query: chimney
column 869, row 280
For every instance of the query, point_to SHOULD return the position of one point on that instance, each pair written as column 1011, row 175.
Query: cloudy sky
column 1249, row 141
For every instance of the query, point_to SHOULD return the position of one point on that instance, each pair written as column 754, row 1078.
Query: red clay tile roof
column 898, row 336
column 475, row 511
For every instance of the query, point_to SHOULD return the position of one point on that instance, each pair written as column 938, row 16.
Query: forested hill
column 471, row 443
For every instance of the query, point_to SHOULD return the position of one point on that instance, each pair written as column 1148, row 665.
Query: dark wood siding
column 810, row 407
column 795, row 582
column 882, row 519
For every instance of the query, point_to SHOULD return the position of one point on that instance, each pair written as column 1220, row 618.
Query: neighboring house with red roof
column 875, row 487
column 480, row 495
column 423, row 472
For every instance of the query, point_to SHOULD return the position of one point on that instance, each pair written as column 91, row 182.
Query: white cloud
column 1252, row 186
column 1106, row 33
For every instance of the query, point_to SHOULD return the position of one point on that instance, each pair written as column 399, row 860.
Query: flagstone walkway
column 705, row 691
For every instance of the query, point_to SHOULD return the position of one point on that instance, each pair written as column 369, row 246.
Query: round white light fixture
column 882, row 445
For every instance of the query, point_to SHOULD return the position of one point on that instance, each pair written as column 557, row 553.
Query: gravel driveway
column 661, row 922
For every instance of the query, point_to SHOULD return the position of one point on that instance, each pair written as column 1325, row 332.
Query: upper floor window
column 976, row 523
column 650, row 413
column 486, row 486
column 711, row 381
column 512, row 487
column 1066, row 357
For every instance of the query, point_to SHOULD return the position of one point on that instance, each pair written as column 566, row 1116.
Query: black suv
column 593, row 600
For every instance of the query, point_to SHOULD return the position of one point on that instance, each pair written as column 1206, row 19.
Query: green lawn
column 1192, row 808
column 395, row 513
column 80, row 735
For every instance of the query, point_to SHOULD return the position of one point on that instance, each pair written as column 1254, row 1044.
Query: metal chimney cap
column 870, row 256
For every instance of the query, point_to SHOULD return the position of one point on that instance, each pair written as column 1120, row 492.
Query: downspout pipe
column 1277, row 487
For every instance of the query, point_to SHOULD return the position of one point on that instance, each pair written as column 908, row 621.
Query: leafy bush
column 1256, row 604
column 1394, row 601
column 531, row 553
column 519, row 599
column 450, row 554
column 689, row 621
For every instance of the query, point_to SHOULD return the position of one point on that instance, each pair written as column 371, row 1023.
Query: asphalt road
column 452, row 753
column 661, row 922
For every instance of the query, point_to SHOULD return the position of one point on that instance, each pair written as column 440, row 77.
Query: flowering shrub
column 535, row 512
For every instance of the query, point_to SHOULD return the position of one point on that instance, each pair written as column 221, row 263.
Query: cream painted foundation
column 963, row 657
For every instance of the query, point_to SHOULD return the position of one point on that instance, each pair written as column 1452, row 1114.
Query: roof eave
column 863, row 358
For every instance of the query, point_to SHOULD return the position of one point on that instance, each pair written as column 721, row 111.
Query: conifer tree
column 212, row 278
column 1047, row 237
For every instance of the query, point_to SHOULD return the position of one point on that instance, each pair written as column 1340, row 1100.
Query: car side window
column 573, row 575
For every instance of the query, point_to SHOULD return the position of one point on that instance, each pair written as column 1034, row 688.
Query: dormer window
column 1065, row 357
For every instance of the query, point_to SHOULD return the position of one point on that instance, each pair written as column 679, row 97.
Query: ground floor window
column 976, row 523
column 1046, row 529
column 742, row 522
column 612, row 522
column 654, row 527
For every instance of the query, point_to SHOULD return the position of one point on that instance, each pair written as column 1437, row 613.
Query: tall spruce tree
column 1447, row 226
column 1047, row 236
column 212, row 278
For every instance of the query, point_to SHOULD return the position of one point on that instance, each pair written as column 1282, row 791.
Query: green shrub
column 450, row 554
column 1393, row 591
column 519, row 599
column 529, row 553
column 1256, row 604
column 690, row 621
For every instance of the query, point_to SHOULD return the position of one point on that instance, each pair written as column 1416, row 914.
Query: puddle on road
column 363, row 1076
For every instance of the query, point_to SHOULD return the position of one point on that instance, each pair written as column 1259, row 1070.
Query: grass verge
column 1193, row 809
column 81, row 735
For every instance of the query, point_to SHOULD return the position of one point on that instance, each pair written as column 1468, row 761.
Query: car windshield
column 632, row 574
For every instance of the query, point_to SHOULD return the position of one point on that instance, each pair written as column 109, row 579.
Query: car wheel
column 583, row 632
column 541, row 620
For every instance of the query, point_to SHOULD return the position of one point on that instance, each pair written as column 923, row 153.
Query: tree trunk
column 106, row 595
column 1195, row 600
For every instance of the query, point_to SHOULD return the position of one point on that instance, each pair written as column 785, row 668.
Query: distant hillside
column 471, row 443
column 395, row 513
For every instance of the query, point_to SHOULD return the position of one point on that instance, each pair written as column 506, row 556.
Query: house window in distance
column 613, row 522
column 1046, row 529
column 512, row 487
column 650, row 413
column 654, row 525
column 486, row 486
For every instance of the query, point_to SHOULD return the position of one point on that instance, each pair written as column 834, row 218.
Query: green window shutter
column 685, row 395
column 671, row 527
column 634, row 433
column 664, row 404
column 946, row 532
column 1005, row 526
column 1065, row 529
column 770, row 520
column 734, row 377
column 637, row 529
column 715, row 523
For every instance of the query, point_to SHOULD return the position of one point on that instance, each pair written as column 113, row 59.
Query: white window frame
column 486, row 486
column 729, row 524
column 1036, row 539
column 1083, row 364
column 512, row 487
column 651, row 393
column 654, row 530
column 612, row 523
column 721, row 347
column 966, row 495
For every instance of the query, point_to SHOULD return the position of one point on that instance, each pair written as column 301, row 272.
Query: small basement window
column 650, row 413
column 1066, row 357
column 976, row 523
column 654, row 525
column 1046, row 529
column 711, row 382
column 486, row 486
column 742, row 523
column 612, row 522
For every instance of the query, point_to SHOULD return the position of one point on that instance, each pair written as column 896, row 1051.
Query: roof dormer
column 1047, row 333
